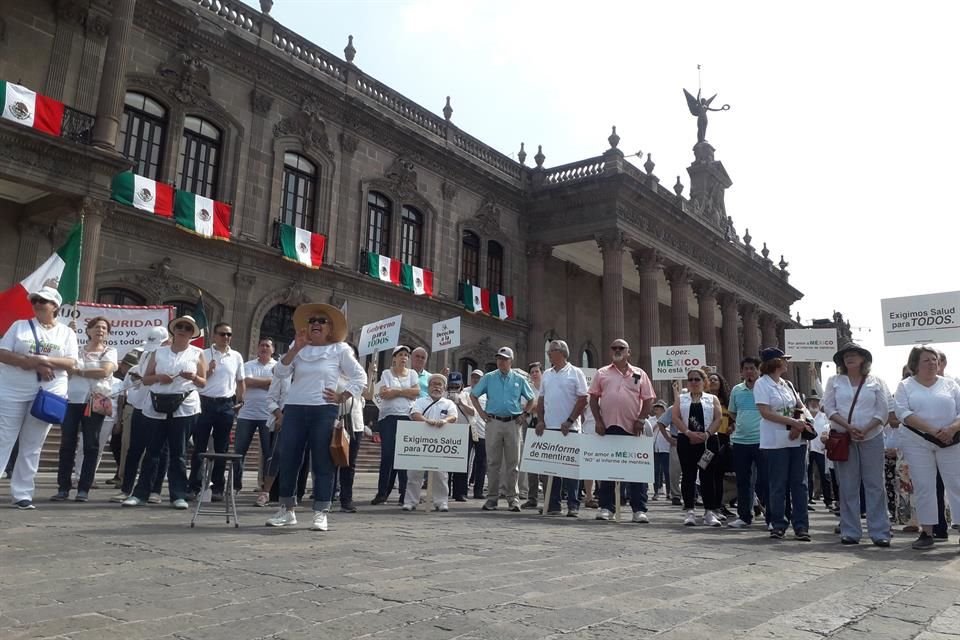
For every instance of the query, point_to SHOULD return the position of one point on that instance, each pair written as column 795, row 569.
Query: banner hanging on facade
column 129, row 325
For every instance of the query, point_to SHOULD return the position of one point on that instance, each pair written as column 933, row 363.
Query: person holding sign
column 437, row 411
column 505, row 390
column 316, row 361
column 621, row 397
column 563, row 395
column 697, row 416
column 398, row 388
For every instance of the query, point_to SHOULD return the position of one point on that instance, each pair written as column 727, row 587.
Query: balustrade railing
column 580, row 170
column 233, row 12
column 407, row 109
column 307, row 52
column 77, row 125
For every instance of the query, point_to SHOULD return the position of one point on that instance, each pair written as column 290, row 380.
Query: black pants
column 75, row 423
column 139, row 441
column 940, row 530
column 387, row 427
column 818, row 465
column 479, row 471
column 460, row 481
column 345, row 475
column 172, row 432
column 710, row 477
column 216, row 417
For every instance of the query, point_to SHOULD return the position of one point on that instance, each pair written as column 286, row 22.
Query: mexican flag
column 200, row 315
column 61, row 271
column 31, row 109
column 143, row 193
column 503, row 307
column 476, row 299
column 383, row 268
column 202, row 216
column 418, row 280
column 299, row 245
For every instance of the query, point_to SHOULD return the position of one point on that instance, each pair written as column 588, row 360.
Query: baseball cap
column 155, row 337
column 477, row 373
column 505, row 352
column 401, row 347
column 456, row 377
column 771, row 353
column 49, row 294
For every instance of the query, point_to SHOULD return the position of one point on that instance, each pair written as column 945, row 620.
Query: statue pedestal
column 708, row 181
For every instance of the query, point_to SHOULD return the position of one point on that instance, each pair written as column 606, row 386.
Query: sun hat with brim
column 772, row 353
column 813, row 395
column 155, row 338
column 304, row 312
column 400, row 348
column 438, row 376
column 132, row 358
column 189, row 320
column 49, row 294
column 847, row 348
column 477, row 373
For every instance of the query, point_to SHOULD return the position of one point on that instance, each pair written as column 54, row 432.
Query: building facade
column 216, row 98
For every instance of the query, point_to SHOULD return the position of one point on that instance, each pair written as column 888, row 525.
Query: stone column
column 750, row 346
column 648, row 266
column 706, row 292
column 113, row 78
column 768, row 331
column 731, row 338
column 611, row 246
column 93, row 212
column 679, row 278
column 537, row 256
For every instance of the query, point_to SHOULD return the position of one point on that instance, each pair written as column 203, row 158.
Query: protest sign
column 616, row 458
column 810, row 345
column 672, row 363
column 379, row 336
column 918, row 319
column 422, row 447
column 446, row 334
column 129, row 325
column 552, row 454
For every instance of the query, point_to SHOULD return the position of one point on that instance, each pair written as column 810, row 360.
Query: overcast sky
column 837, row 139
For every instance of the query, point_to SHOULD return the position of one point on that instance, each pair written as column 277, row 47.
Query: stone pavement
column 98, row 572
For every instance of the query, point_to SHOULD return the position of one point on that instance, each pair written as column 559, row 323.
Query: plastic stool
column 229, row 500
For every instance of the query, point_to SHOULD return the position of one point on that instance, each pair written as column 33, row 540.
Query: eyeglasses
column 39, row 301
column 317, row 321
column 182, row 327
column 694, row 379
column 224, row 334
column 617, row 348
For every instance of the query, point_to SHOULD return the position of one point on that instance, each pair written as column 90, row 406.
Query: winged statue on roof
column 699, row 107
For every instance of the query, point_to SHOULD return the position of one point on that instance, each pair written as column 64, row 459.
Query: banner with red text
column 129, row 325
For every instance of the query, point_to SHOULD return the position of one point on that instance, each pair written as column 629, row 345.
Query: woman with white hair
column 35, row 355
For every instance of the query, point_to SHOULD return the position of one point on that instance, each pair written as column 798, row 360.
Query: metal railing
column 77, row 126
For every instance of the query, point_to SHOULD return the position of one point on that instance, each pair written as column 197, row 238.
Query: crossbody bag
column 47, row 407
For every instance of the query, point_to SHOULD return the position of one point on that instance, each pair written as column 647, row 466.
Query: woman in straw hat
column 174, row 375
column 317, row 360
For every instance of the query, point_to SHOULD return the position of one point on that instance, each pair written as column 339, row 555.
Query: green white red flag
column 475, row 299
column 383, row 268
column 417, row 280
column 143, row 193
column 503, row 306
column 31, row 109
column 202, row 216
column 300, row 245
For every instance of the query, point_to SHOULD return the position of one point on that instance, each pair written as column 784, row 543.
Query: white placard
column 380, row 336
column 672, row 363
column 934, row 317
column 446, row 334
column 426, row 448
column 129, row 325
column 810, row 345
column 617, row 458
column 552, row 454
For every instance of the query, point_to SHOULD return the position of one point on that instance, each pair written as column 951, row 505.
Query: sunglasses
column 39, row 301
column 182, row 327
column 317, row 321
column 224, row 334
column 617, row 348
column 694, row 379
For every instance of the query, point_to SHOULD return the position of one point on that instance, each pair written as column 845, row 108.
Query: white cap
column 49, row 294
column 505, row 352
column 155, row 337
column 476, row 372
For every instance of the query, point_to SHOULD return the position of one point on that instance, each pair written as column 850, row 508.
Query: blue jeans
column 173, row 433
column 661, row 471
column 216, row 416
column 638, row 490
column 747, row 460
column 387, row 428
column 139, row 441
column 787, row 471
column 307, row 426
column 570, row 485
column 241, row 444
column 863, row 471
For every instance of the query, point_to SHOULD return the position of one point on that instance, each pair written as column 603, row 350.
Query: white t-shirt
column 821, row 425
column 398, row 406
column 781, row 399
column 79, row 389
column 477, row 424
column 443, row 408
column 660, row 443
column 224, row 371
column 255, row 400
column 171, row 364
column 938, row 405
column 60, row 341
column 560, row 391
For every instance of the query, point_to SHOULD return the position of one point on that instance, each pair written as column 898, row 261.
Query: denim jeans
column 787, row 472
column 661, row 471
column 75, row 423
column 241, row 444
column 750, row 466
column 173, row 433
column 216, row 416
column 307, row 427
column 139, row 441
column 345, row 475
column 818, row 465
column 387, row 428
column 570, row 485
column 863, row 469
column 637, row 490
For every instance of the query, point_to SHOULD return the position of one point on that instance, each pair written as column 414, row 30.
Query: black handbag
column 934, row 439
column 167, row 403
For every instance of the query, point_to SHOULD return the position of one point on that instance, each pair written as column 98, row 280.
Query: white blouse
column 398, row 406
column 316, row 368
column 172, row 364
column 938, row 405
column 79, row 388
column 706, row 400
column 873, row 402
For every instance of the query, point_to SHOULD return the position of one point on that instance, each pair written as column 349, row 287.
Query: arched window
column 143, row 134
column 495, row 267
column 411, row 236
column 198, row 166
column 586, row 359
column 299, row 187
column 470, row 258
column 183, row 307
column 378, row 225
column 120, row 297
column 466, row 366
column 278, row 326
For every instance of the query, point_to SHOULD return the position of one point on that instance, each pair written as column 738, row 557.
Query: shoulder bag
column 340, row 442
column 47, row 407
column 838, row 442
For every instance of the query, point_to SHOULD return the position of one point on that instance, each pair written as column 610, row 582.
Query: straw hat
column 189, row 320
column 304, row 312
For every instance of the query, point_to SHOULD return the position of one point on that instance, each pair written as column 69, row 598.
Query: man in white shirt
column 478, row 436
column 562, row 399
column 219, row 400
column 436, row 411
column 253, row 415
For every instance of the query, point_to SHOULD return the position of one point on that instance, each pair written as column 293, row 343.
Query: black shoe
column 460, row 499
column 348, row 508
column 378, row 500
column 757, row 511
column 60, row 496
column 529, row 504
column 777, row 534
column 725, row 511
column 940, row 536
column 676, row 502
column 846, row 540
column 924, row 542
column 881, row 542
column 23, row 505
column 802, row 536
column 810, row 507
column 82, row 496
column 191, row 496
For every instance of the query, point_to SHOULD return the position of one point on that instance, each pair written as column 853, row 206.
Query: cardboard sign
column 379, row 336
column 422, row 447
column 810, row 345
column 129, row 325
column 933, row 317
column 552, row 454
column 446, row 334
column 672, row 363
column 616, row 458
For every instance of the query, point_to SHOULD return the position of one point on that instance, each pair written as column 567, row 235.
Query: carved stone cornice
column 307, row 125
column 402, row 176
column 449, row 191
column 729, row 302
column 260, row 102
column 348, row 142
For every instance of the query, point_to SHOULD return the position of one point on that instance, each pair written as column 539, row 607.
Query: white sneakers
column 154, row 498
column 738, row 524
column 283, row 518
column 442, row 507
column 409, row 507
column 710, row 519
column 120, row 497
column 640, row 517
column 319, row 521
column 179, row 504
column 604, row 514
column 132, row 501
column 690, row 520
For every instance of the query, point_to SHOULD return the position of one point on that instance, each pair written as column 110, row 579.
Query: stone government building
column 219, row 99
